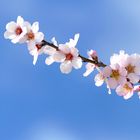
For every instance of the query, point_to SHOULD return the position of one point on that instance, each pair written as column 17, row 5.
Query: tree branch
column 96, row 62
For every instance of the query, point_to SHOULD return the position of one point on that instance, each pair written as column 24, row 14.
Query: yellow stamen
column 130, row 68
column 115, row 74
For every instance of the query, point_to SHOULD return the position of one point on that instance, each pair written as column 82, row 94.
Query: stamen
column 18, row 31
column 130, row 68
column 30, row 36
column 69, row 56
column 115, row 74
column 127, row 88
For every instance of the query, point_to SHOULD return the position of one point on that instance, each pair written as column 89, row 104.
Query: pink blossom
column 116, row 75
column 125, row 90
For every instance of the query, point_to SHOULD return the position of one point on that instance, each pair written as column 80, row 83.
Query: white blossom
column 34, row 39
column 16, row 30
column 36, row 50
column 122, row 74
column 33, row 35
column 68, row 56
column 118, row 58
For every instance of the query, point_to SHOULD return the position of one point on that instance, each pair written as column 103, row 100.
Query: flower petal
column 11, row 26
column 74, row 52
column 49, row 50
column 23, row 40
column 76, row 38
column 49, row 60
column 120, row 91
column 35, row 55
column 64, row 48
column 35, row 58
column 39, row 37
column 112, row 83
column 20, row 20
column 59, row 57
column 89, row 69
column 122, row 80
column 133, row 78
column 35, row 27
column 107, row 71
column 128, row 95
column 77, row 63
column 73, row 42
column 9, row 35
column 122, row 71
column 66, row 67
column 54, row 41
column 27, row 25
column 31, row 45
column 99, row 80
column 137, row 69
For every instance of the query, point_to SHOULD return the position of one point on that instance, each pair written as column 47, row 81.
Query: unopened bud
column 93, row 54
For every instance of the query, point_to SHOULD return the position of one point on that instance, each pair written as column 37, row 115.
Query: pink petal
column 89, row 69
column 112, row 83
column 99, row 79
column 122, row 71
column 65, row 49
column 49, row 60
column 120, row 91
column 107, row 71
column 66, row 67
column 74, row 52
column 133, row 78
column 59, row 57
column 77, row 63
column 122, row 80
column 137, row 70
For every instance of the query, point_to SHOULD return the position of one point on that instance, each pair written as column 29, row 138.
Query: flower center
column 127, row 88
column 38, row 46
column 18, row 31
column 69, row 56
column 30, row 36
column 115, row 74
column 130, row 68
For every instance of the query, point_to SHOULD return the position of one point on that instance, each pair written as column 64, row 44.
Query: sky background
column 40, row 103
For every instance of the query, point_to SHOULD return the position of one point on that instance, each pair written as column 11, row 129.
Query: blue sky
column 40, row 103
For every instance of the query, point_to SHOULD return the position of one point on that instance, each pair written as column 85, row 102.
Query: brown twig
column 96, row 62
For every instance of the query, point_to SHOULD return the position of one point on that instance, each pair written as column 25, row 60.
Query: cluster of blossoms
column 123, row 73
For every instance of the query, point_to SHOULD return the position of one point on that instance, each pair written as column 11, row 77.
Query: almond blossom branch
column 122, row 74
column 97, row 63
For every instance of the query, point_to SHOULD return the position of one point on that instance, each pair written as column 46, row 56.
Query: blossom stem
column 97, row 63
